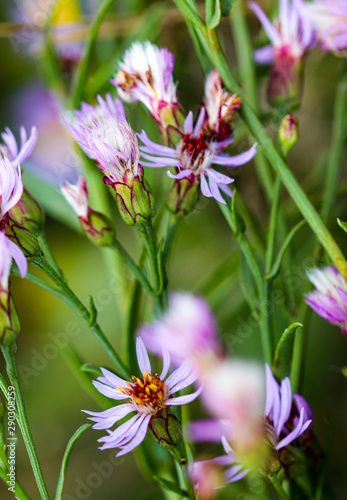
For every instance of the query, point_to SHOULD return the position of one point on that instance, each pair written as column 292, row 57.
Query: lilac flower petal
column 188, row 123
column 205, row 431
column 113, row 379
column 166, row 363
column 235, row 473
column 226, row 189
column 270, row 30
column 228, row 449
column 109, row 392
column 199, row 122
column 142, row 356
column 237, row 160
column 204, row 186
column 107, row 422
column 286, row 405
column 180, row 175
column 182, row 400
column 177, row 375
column 123, row 434
column 298, row 430
column 139, row 437
column 19, row 258
column 265, row 55
column 302, row 403
column 187, row 381
column 223, row 460
column 215, row 191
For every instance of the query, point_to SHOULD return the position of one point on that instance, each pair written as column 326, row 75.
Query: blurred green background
column 204, row 243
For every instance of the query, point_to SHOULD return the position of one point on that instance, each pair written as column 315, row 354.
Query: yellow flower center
column 148, row 390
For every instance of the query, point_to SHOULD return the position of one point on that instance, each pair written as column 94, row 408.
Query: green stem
column 85, row 314
column 19, row 492
column 47, row 253
column 336, row 149
column 134, row 269
column 81, row 74
column 8, row 352
column 152, row 252
column 279, row 488
column 254, row 268
column 213, row 49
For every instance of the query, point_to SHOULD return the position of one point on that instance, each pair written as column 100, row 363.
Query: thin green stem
column 20, row 494
column 85, row 314
column 270, row 249
column 336, row 148
column 213, row 49
column 152, row 252
column 81, row 74
column 47, row 253
column 9, row 355
column 133, row 268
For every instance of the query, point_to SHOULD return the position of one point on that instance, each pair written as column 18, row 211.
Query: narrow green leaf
column 66, row 457
column 226, row 6
column 90, row 368
column 161, row 266
column 213, row 13
column 343, row 225
column 92, row 311
column 284, row 352
column 191, row 12
column 277, row 265
column 171, row 486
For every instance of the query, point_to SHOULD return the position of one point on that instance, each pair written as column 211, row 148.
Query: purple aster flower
column 146, row 396
column 219, row 105
column 291, row 37
column 278, row 409
column 187, row 330
column 194, row 156
column 329, row 299
column 10, row 148
column 329, row 19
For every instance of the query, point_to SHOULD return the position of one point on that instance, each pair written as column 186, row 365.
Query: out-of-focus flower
column 219, row 105
column 329, row 19
column 206, row 476
column 97, row 226
column 11, row 185
column 329, row 299
column 188, row 331
column 194, row 156
column 10, row 148
column 291, row 37
column 145, row 76
column 105, row 136
column 147, row 397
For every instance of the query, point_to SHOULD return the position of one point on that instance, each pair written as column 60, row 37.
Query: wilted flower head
column 187, row 330
column 329, row 299
column 291, row 36
column 96, row 225
column 77, row 196
column 105, row 136
column 194, row 156
column 147, row 396
column 329, row 19
column 10, row 148
column 219, row 105
column 145, row 76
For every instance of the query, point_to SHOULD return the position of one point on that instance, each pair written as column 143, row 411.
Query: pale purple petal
column 142, row 356
column 19, row 258
column 182, row 400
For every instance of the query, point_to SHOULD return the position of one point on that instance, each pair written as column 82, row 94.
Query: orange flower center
column 148, row 390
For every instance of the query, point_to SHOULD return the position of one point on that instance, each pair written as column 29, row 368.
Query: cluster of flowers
column 300, row 26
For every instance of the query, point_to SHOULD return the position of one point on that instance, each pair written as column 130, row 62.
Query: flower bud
column 167, row 431
column 98, row 228
column 183, row 195
column 28, row 213
column 9, row 321
column 25, row 239
column 288, row 133
column 134, row 199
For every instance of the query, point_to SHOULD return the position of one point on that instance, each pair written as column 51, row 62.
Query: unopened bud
column 134, row 199
column 25, row 239
column 9, row 321
column 167, row 431
column 183, row 196
column 98, row 228
column 28, row 213
column 288, row 133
